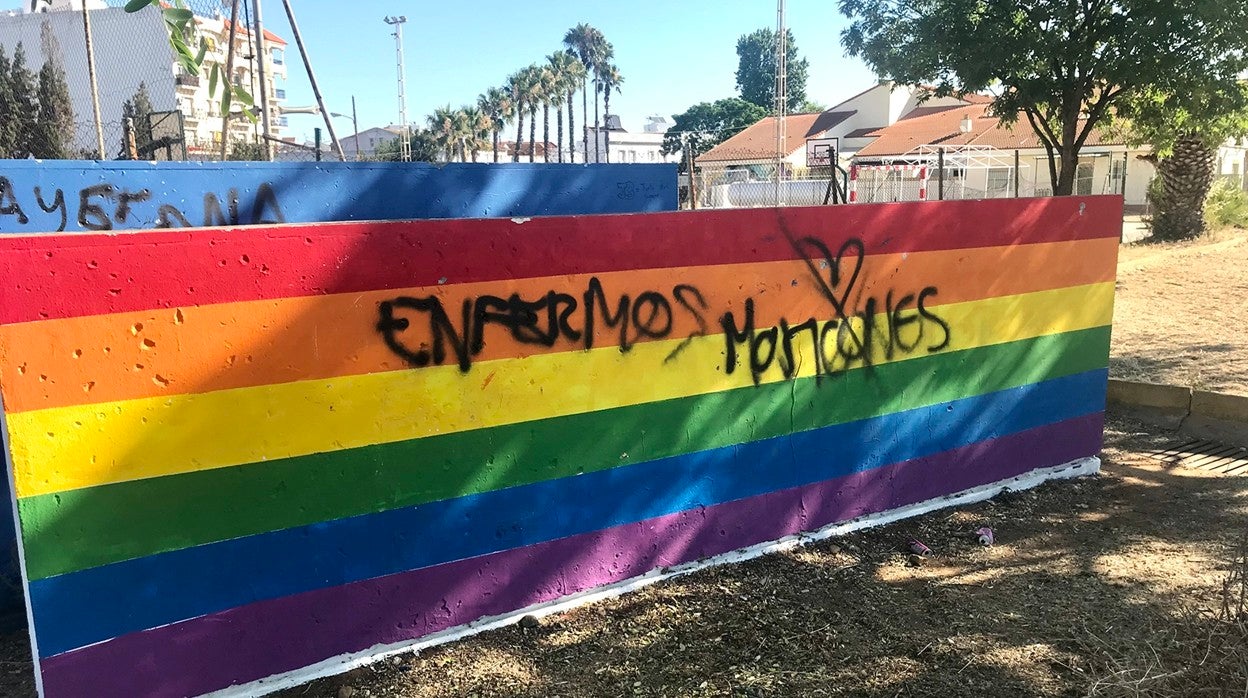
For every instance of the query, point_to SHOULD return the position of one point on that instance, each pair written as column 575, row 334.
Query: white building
column 132, row 49
column 614, row 144
column 369, row 140
column 202, row 112
column 135, row 46
column 1233, row 161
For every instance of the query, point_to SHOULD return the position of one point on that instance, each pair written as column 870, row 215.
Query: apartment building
column 202, row 112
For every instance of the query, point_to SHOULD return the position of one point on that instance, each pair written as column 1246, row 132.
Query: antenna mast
column 405, row 140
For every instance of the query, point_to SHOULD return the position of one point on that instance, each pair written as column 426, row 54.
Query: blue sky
column 671, row 54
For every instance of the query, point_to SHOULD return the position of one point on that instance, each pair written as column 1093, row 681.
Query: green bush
column 1226, row 205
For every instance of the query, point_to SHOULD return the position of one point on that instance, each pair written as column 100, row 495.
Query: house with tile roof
column 847, row 125
column 980, row 155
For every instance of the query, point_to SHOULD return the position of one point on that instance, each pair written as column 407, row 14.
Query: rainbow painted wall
column 242, row 453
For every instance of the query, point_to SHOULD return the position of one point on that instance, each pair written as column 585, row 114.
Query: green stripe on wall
column 73, row 530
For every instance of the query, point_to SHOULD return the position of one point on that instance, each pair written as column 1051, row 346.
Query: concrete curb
column 1199, row 413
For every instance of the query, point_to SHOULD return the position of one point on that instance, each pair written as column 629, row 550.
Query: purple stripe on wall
column 259, row 640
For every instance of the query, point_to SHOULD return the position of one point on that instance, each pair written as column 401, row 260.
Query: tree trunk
column 1068, row 167
column 1186, row 177
column 532, row 132
column 571, row 128
column 545, row 131
column 606, row 132
column 559, row 130
column 496, row 145
column 585, row 115
column 597, row 124
column 519, row 131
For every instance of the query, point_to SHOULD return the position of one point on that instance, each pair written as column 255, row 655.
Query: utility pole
column 262, row 55
column 95, row 90
column 782, row 98
column 355, row 122
column 405, row 144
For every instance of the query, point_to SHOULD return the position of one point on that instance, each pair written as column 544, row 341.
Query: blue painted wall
column 48, row 196
column 78, row 195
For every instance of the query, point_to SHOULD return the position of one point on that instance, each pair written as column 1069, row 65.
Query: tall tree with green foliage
column 8, row 107
column 589, row 45
column 756, row 70
column 424, row 144
column 54, row 124
column 609, row 80
column 575, row 79
column 474, row 127
column 25, row 105
column 562, row 65
column 137, row 110
column 525, row 91
column 1185, row 127
column 707, row 124
column 532, row 91
column 1063, row 65
column 549, row 90
column 443, row 129
column 498, row 106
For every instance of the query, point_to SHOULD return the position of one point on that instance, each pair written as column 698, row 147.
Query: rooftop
column 759, row 140
column 942, row 126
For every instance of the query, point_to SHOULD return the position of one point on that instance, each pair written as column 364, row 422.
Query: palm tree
column 549, row 90
column 498, row 106
column 575, row 76
column 588, row 43
column 561, row 70
column 475, row 128
column 442, row 128
column 608, row 79
column 537, row 95
column 605, row 53
column 527, row 89
column 519, row 90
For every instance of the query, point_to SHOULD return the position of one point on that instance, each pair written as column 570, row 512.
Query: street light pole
column 355, row 122
column 405, row 141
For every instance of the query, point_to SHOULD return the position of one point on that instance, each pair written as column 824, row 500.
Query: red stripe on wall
column 56, row 276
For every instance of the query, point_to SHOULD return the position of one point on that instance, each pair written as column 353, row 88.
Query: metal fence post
column 940, row 180
column 1017, row 170
column 318, row 143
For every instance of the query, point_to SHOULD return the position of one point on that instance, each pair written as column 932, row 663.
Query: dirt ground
column 1084, row 573
column 1181, row 313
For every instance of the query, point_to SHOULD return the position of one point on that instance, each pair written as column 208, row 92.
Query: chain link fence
column 149, row 107
column 741, row 183
column 743, row 180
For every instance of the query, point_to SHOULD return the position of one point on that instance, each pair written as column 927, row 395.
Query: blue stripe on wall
column 96, row 604
column 130, row 195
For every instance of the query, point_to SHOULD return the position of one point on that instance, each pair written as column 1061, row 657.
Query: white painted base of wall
column 347, row 662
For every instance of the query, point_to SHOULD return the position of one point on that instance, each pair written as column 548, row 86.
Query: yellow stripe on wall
column 82, row 446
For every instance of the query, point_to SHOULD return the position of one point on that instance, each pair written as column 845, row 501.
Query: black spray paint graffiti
column 543, row 321
column 901, row 323
column 106, row 206
column 848, row 337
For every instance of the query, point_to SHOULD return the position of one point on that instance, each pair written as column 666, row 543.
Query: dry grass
column 1202, row 652
column 1181, row 313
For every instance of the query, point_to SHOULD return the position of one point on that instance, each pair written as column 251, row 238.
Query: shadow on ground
column 1081, row 569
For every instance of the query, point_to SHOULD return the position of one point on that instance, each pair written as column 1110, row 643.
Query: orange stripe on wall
column 104, row 358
